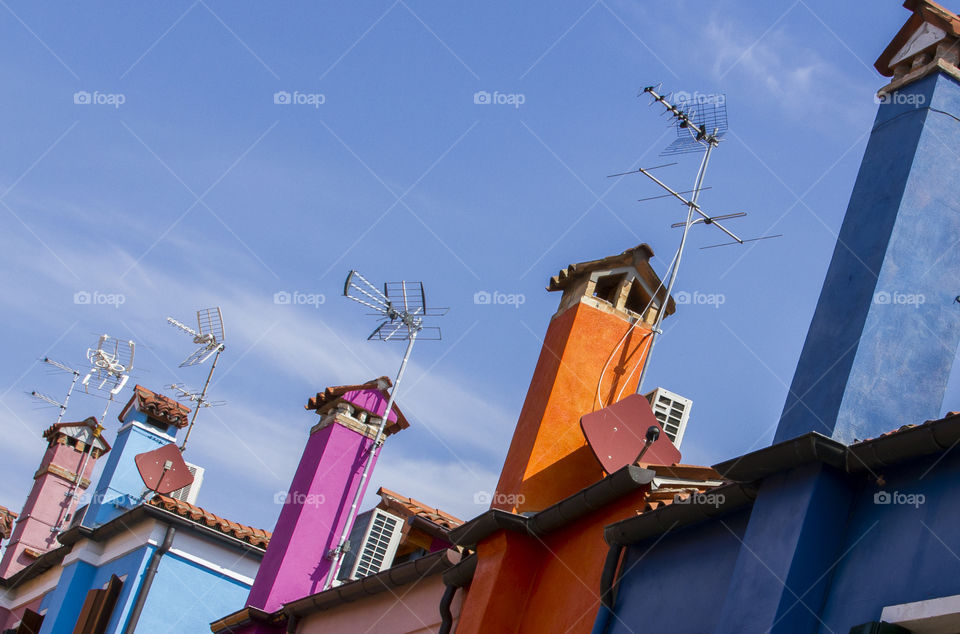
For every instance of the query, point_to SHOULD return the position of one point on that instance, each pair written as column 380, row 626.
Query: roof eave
column 599, row 494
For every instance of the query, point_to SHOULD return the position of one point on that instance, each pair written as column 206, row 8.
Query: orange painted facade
column 549, row 459
column 550, row 584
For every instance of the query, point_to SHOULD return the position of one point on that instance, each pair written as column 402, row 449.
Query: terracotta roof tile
column 408, row 507
column 908, row 426
column 6, row 522
column 253, row 536
column 158, row 406
column 326, row 399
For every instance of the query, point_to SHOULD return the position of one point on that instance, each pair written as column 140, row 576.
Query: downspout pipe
column 148, row 576
column 446, row 616
column 459, row 576
column 608, row 589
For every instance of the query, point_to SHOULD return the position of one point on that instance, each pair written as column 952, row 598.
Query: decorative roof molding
column 929, row 41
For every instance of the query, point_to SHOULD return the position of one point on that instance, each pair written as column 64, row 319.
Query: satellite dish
column 163, row 470
column 617, row 435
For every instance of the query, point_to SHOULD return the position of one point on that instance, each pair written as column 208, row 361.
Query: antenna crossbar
column 692, row 204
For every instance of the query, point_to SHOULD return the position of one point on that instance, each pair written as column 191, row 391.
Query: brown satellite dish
column 163, row 470
column 618, row 434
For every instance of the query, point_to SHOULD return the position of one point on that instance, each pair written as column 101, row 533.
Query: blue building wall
column 886, row 317
column 882, row 554
column 184, row 596
column 676, row 584
column 63, row 605
column 187, row 598
column 120, row 485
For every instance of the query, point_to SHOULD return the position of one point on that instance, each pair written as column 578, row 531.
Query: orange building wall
column 549, row 459
column 530, row 585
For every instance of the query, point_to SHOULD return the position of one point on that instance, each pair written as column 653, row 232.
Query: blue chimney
column 885, row 332
column 148, row 421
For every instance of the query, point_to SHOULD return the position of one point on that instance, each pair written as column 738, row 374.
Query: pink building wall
column 405, row 610
column 315, row 510
column 45, row 505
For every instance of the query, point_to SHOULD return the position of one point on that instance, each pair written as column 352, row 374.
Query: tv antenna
column 402, row 306
column 700, row 123
column 192, row 396
column 62, row 406
column 210, row 335
column 110, row 365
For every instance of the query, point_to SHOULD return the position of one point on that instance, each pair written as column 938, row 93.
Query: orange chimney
column 592, row 356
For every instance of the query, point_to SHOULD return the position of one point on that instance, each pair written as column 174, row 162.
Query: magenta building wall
column 316, row 508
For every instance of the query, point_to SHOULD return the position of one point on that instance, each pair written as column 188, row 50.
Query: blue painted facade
column 822, row 547
column 698, row 579
column 120, row 487
column 184, row 596
column 203, row 575
column 887, row 316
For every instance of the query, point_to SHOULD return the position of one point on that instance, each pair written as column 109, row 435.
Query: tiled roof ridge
column 420, row 509
column 326, row 399
column 254, row 536
column 334, row 392
column 161, row 407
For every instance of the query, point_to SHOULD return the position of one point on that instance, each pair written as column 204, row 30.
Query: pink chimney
column 63, row 475
column 316, row 507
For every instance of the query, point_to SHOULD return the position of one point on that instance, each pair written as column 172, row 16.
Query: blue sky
column 200, row 190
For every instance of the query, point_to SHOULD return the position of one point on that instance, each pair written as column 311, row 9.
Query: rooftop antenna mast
column 210, row 335
column 700, row 126
column 110, row 365
column 402, row 307
column 43, row 397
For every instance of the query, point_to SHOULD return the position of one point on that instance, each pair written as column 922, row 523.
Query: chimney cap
column 74, row 430
column 157, row 406
column 638, row 257
column 924, row 12
column 325, row 400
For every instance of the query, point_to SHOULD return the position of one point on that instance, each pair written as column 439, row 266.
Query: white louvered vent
column 672, row 412
column 379, row 545
column 190, row 492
